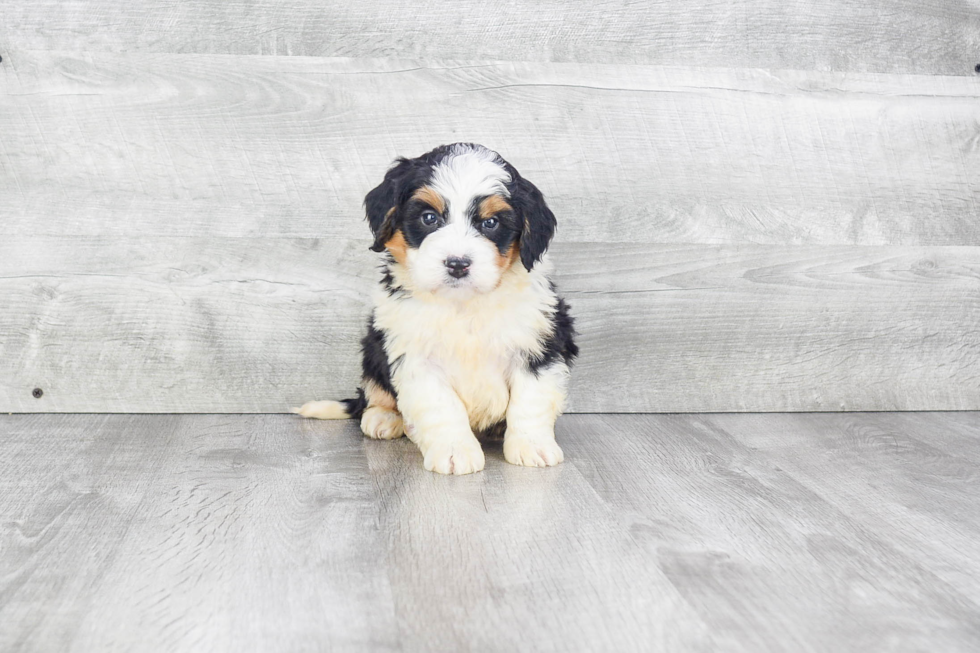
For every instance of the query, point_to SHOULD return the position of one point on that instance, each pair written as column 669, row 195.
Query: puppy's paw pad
column 456, row 458
column 382, row 424
column 532, row 452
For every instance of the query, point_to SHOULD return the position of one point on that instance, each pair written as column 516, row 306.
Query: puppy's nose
column 458, row 266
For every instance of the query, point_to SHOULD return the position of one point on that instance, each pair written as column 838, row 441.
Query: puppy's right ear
column 381, row 204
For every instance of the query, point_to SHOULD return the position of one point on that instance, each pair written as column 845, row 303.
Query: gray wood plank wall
column 781, row 228
column 901, row 36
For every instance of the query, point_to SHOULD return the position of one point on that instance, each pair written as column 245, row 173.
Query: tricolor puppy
column 467, row 333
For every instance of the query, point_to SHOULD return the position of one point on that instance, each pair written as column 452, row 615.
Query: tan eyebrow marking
column 492, row 205
column 430, row 197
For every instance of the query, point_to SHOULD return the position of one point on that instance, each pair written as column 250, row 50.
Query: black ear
column 381, row 204
column 537, row 219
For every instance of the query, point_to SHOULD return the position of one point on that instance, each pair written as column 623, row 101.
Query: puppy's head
column 457, row 218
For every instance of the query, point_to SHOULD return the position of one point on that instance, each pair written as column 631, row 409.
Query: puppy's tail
column 343, row 409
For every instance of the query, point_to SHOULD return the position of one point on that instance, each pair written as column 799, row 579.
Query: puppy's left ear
column 537, row 219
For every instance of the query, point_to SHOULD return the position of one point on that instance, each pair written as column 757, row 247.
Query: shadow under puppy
column 467, row 334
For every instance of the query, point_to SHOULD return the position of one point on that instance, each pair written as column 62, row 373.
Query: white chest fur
column 475, row 344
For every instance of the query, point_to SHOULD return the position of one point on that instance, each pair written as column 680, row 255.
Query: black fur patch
column 355, row 407
column 560, row 344
column 388, row 280
column 374, row 361
column 374, row 367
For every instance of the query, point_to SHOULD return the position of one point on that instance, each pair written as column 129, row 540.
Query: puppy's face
column 457, row 218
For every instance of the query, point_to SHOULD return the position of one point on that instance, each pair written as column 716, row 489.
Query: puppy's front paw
column 458, row 457
column 382, row 424
column 532, row 452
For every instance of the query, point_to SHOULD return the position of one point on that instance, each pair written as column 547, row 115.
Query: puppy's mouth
column 454, row 283
column 458, row 287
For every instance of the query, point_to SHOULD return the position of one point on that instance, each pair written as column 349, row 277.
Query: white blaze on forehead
column 468, row 172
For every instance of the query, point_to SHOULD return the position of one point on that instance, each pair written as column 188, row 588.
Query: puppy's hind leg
column 381, row 419
column 374, row 406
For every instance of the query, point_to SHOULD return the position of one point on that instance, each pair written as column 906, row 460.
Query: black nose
column 458, row 267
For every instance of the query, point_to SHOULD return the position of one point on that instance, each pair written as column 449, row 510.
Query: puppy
column 467, row 334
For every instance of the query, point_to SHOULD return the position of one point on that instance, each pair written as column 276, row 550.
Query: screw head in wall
column 38, row 393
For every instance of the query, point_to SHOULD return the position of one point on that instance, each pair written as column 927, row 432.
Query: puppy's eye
column 489, row 224
column 429, row 218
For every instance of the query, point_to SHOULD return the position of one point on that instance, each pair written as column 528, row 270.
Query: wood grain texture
column 188, row 533
column 926, row 493
column 921, row 36
column 509, row 559
column 743, row 533
column 255, row 325
column 705, row 329
column 750, row 529
column 71, row 490
column 148, row 144
column 182, row 325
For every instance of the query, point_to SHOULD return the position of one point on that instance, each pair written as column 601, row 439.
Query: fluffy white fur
column 462, row 369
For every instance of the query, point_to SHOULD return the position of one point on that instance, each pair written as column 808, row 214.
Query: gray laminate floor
column 807, row 532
